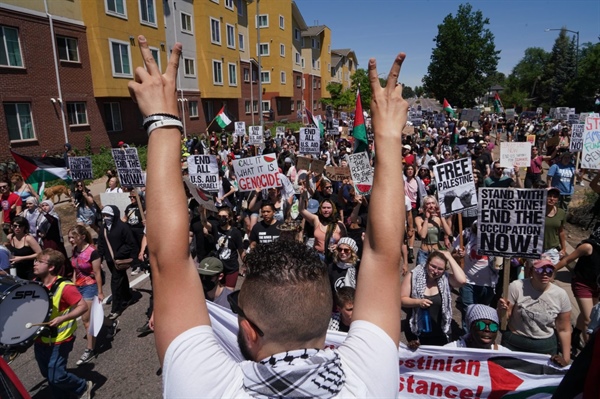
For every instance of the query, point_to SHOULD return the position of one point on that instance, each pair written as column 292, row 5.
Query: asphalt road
column 425, row 103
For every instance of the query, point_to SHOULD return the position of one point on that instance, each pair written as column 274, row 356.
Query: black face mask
column 223, row 221
column 208, row 284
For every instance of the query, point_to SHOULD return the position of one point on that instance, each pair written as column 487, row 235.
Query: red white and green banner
column 497, row 103
column 36, row 170
column 314, row 121
column 222, row 119
column 448, row 108
column 359, row 131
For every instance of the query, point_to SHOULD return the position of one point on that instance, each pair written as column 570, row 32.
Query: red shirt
column 409, row 159
column 7, row 202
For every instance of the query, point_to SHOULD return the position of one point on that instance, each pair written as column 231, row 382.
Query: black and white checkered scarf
column 419, row 284
column 303, row 373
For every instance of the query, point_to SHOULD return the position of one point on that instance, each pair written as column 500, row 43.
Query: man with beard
column 213, row 281
column 266, row 230
column 482, row 330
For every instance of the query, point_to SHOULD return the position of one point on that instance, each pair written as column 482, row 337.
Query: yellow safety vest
column 64, row 330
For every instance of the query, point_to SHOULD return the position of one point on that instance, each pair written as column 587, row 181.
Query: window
column 283, row 80
column 147, row 14
column 118, row 8
column 282, row 50
column 329, row 49
column 67, row 49
column 240, row 7
column 232, row 69
column 297, row 36
column 247, row 106
column 315, row 43
column 121, row 65
column 263, row 48
column 314, row 63
column 193, row 106
column 19, row 121
column 297, row 58
column 186, row 23
column 299, row 105
column 156, row 55
column 112, row 117
column 302, row 60
column 215, row 31
column 217, row 72
column 10, row 49
column 241, row 41
column 314, row 83
column 254, row 75
column 281, row 22
column 262, row 21
column 230, row 35
column 298, row 81
column 77, row 114
column 229, row 4
column 318, row 84
column 266, row 106
column 246, row 75
column 265, row 76
column 314, row 105
column 291, row 105
column 255, row 106
column 189, row 67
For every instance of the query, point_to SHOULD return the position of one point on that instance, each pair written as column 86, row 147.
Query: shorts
column 582, row 290
column 88, row 292
column 231, row 279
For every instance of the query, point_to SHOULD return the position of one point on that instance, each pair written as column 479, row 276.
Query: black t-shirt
column 204, row 243
column 482, row 161
column 336, row 277
column 224, row 138
column 134, row 216
column 262, row 233
column 228, row 242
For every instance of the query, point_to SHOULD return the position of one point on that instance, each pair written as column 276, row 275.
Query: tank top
column 320, row 236
column 82, row 265
column 587, row 268
column 433, row 233
column 24, row 267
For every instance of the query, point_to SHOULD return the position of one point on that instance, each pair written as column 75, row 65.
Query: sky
column 381, row 29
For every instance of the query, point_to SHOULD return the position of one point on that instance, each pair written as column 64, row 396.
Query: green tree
column 419, row 91
column 361, row 78
column 525, row 84
column 340, row 99
column 581, row 92
column 408, row 92
column 464, row 59
column 561, row 68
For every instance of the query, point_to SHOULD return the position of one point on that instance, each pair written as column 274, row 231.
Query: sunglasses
column 17, row 226
column 481, row 325
column 5, row 186
column 328, row 187
column 544, row 270
column 233, row 299
column 131, row 197
column 344, row 250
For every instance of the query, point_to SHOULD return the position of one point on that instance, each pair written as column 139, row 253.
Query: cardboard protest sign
column 361, row 172
column 240, row 129
column 204, row 199
column 337, row 173
column 81, row 168
column 204, row 171
column 255, row 135
column 310, row 141
column 128, row 166
column 256, row 172
column 511, row 222
column 303, row 163
column 515, row 153
column 577, row 137
column 120, row 200
column 316, row 166
column 455, row 186
column 590, row 153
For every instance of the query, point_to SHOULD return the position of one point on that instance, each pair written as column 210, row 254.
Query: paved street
column 425, row 103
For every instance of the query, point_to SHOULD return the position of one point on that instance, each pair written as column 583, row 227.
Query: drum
column 21, row 302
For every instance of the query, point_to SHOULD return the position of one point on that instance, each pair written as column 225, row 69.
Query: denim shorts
column 88, row 292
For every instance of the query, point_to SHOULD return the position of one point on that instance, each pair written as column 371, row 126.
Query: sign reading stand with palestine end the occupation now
column 511, row 222
column 81, row 168
column 128, row 166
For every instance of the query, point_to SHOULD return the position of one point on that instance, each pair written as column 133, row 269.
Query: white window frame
column 299, row 104
column 247, row 106
column 67, row 39
column 302, row 62
column 258, row 49
column 148, row 23
column 189, row 31
column 314, row 105
column 157, row 59
column 283, row 78
column 193, row 108
column 229, row 4
column 292, row 105
column 228, row 28
column 267, row 74
column 212, row 40
column 113, row 116
column 281, row 22
column 115, row 13
column 297, row 35
column 112, row 58
column 22, row 66
column 215, row 81
column 297, row 58
column 75, row 104
column 266, row 25
column 298, row 81
column 314, row 83
column 282, row 49
column 16, row 104
column 215, row 1
column 231, row 82
column 246, row 74
column 255, row 106
column 185, row 64
column 241, row 41
column 263, row 105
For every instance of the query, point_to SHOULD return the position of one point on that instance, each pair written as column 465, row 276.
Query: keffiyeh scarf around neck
column 350, row 277
column 303, row 373
column 419, row 284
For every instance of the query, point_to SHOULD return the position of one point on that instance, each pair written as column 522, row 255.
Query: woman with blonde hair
column 432, row 228
column 342, row 270
column 24, row 190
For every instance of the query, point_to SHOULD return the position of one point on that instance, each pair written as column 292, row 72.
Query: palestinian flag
column 497, row 103
column 37, row 170
column 222, row 120
column 448, row 108
column 316, row 122
column 359, row 132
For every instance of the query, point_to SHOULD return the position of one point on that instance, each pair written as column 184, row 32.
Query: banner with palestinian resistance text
column 256, row 172
column 511, row 222
column 455, row 186
column 438, row 372
column 128, row 166
column 204, row 171
column 80, row 168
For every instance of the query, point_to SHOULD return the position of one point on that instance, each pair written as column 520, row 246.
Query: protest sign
column 511, row 222
column 310, row 141
column 577, row 137
column 435, row 371
column 128, row 166
column 361, row 172
column 204, row 199
column 120, row 200
column 316, row 166
column 255, row 135
column 240, row 129
column 204, row 171
column 531, row 139
column 337, row 173
column 515, row 153
column 584, row 115
column 303, row 163
column 280, row 131
column 455, row 186
column 510, row 114
column 590, row 154
column 539, row 110
column 81, row 168
column 573, row 118
column 256, row 172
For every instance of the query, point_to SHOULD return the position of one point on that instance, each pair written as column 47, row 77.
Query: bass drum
column 22, row 302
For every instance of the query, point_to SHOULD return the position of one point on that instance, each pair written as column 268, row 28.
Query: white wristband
column 165, row 123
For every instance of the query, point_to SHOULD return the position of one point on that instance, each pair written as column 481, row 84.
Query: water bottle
column 424, row 321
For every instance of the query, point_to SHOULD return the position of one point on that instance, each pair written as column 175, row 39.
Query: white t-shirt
column 196, row 366
column 477, row 267
column 114, row 190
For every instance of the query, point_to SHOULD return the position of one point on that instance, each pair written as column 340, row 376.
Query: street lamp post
column 577, row 52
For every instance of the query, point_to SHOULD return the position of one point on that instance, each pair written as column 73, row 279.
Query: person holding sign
column 284, row 305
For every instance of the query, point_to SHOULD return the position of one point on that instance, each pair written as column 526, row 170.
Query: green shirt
column 552, row 228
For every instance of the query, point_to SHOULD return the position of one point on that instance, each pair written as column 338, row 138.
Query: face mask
column 223, row 221
column 208, row 284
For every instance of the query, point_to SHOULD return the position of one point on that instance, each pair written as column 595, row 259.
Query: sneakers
column 581, row 183
column 114, row 315
column 136, row 271
column 87, row 394
column 411, row 256
column 88, row 355
column 112, row 330
column 144, row 330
